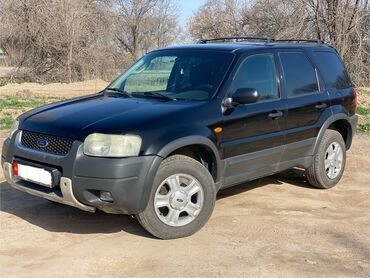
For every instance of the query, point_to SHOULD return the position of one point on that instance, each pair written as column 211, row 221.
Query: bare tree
column 164, row 24
column 71, row 40
column 67, row 40
column 218, row 18
column 343, row 23
column 141, row 25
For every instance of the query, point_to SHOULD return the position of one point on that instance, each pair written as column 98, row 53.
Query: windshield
column 180, row 75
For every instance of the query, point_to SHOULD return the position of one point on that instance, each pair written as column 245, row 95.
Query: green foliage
column 363, row 90
column 11, row 106
column 13, row 102
column 364, row 128
column 363, row 110
column 17, row 102
column 6, row 122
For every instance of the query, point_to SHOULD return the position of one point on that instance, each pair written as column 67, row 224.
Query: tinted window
column 300, row 77
column 332, row 69
column 257, row 72
column 181, row 75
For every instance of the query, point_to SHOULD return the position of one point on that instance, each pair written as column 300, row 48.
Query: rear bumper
column 129, row 180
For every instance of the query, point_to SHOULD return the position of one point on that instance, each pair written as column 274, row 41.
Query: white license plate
column 36, row 175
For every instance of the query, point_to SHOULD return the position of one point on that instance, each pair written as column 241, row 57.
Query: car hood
column 77, row 118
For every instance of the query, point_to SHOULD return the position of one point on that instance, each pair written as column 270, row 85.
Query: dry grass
column 363, row 110
column 16, row 99
column 59, row 90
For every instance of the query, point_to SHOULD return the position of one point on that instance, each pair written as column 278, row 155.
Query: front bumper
column 66, row 197
column 129, row 180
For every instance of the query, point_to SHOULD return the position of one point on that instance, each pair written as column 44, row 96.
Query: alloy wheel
column 178, row 200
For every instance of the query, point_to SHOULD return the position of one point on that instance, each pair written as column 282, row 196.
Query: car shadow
column 292, row 176
column 56, row 217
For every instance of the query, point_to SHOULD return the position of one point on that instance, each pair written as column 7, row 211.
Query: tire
column 179, row 169
column 319, row 175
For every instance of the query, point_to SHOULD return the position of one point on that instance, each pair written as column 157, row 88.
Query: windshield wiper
column 123, row 92
column 158, row 95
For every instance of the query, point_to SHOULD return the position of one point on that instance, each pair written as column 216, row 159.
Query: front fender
column 186, row 141
column 168, row 142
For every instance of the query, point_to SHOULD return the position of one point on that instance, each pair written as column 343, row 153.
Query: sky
column 187, row 8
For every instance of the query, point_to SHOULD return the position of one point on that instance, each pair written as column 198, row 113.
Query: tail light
column 355, row 101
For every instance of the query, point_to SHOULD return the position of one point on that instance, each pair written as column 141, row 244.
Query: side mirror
column 245, row 96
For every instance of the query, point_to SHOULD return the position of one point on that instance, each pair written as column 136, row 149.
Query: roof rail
column 236, row 39
column 265, row 39
column 318, row 41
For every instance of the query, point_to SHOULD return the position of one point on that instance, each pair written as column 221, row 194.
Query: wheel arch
column 199, row 148
column 339, row 122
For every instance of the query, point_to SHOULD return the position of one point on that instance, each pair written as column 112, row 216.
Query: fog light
column 106, row 196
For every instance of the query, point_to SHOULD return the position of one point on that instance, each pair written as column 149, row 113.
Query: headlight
column 105, row 145
column 14, row 128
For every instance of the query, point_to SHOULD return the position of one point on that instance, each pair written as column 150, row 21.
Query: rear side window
column 300, row 76
column 332, row 69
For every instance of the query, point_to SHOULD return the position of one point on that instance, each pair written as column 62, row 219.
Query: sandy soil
column 63, row 90
column 274, row 227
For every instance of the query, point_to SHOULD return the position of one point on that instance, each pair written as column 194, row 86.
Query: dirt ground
column 274, row 227
column 64, row 90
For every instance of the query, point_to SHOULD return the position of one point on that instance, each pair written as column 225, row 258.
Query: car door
column 306, row 102
column 252, row 133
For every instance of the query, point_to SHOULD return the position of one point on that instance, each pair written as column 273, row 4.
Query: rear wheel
column 329, row 162
column 182, row 199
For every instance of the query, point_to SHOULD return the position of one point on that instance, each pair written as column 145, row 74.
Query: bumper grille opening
column 50, row 144
column 34, row 186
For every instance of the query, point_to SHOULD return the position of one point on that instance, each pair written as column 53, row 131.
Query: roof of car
column 236, row 46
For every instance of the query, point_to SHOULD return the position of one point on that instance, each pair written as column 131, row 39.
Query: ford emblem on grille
column 42, row 142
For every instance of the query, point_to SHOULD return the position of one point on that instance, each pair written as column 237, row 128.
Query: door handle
column 275, row 114
column 321, row 105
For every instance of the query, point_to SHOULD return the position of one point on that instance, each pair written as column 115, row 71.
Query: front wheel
column 329, row 162
column 182, row 199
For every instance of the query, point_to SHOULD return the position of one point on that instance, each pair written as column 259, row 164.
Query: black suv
column 184, row 122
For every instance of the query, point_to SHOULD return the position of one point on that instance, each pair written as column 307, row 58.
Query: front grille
column 55, row 145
